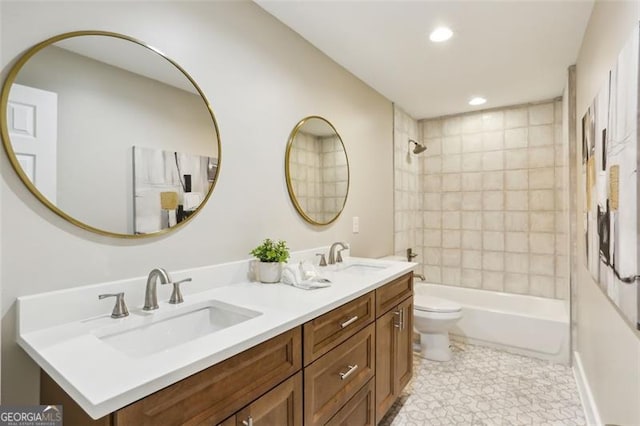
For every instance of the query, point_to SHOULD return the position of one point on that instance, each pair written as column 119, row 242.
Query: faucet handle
column 323, row 260
column 339, row 256
column 176, row 294
column 120, row 309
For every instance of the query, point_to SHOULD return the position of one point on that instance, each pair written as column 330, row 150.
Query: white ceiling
column 510, row 52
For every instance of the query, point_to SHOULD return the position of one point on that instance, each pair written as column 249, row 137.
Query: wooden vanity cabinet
column 394, row 351
column 357, row 359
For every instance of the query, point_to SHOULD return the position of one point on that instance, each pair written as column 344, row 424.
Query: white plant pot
column 270, row 272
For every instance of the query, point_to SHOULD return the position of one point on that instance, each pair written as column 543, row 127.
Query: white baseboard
column 591, row 413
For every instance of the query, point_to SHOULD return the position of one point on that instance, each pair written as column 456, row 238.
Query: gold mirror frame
column 290, row 189
column 4, row 131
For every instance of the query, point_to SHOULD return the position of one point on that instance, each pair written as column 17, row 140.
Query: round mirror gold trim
column 4, row 131
column 287, row 171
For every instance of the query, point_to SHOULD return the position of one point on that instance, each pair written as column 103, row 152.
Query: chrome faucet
column 333, row 259
column 151, row 294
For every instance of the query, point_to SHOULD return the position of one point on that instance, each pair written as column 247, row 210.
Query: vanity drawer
column 389, row 295
column 212, row 395
column 359, row 411
column 335, row 378
column 329, row 330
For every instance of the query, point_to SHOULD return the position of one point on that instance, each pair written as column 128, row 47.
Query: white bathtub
column 527, row 325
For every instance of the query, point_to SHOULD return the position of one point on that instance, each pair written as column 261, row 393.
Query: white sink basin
column 359, row 268
column 179, row 327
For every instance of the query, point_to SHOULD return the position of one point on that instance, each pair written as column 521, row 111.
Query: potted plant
column 271, row 255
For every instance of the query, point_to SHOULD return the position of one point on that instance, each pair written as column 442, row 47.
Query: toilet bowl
column 433, row 317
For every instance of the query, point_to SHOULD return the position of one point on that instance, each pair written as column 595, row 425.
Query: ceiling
column 509, row 52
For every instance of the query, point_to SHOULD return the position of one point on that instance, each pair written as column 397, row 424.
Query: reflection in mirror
column 317, row 170
column 74, row 107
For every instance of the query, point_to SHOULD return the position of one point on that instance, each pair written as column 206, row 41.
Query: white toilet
column 433, row 317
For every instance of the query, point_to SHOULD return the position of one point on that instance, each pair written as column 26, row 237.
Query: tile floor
column 484, row 386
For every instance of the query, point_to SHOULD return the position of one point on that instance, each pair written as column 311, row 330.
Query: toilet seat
column 422, row 302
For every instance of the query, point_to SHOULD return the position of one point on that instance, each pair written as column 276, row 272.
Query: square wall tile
column 541, row 264
column 493, row 200
column 492, row 240
column 471, row 278
column 472, row 162
column 493, row 221
column 432, row 183
column 432, row 256
column 471, row 240
column 562, row 266
column 493, row 141
column 451, row 201
column 540, row 135
column 516, row 200
column 434, row 147
column 493, row 280
column 493, row 160
column 516, row 221
column 516, row 179
column 516, row 242
column 451, row 276
column 472, row 259
column 493, row 261
column 493, row 120
column 432, row 220
column 472, row 181
column 541, row 243
column 542, row 286
column 451, row 239
column 451, row 182
column 451, row 126
column 432, row 164
column 472, row 142
column 451, row 163
column 541, row 114
column 516, row 159
column 433, row 274
column 516, row 117
column 451, row 145
column 432, row 202
column 432, row 238
column 451, row 220
column 562, row 288
column 472, row 123
column 542, row 178
column 472, row 220
column 432, row 128
column 493, row 180
column 516, row 283
column 542, row 222
column 541, row 199
column 516, row 262
column 472, row 201
column 451, row 257
column 516, row 138
column 541, row 157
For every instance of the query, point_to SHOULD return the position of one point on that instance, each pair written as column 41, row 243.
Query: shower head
column 420, row 148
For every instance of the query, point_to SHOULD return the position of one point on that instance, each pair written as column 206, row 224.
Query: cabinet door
column 385, row 358
column 404, row 346
column 280, row 406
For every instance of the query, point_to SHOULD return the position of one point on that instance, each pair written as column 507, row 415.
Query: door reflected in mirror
column 317, row 170
column 73, row 108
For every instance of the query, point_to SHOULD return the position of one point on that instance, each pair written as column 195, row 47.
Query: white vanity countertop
column 102, row 379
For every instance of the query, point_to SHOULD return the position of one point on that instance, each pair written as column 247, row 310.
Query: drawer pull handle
column 398, row 324
column 349, row 372
column 248, row 422
column 349, row 321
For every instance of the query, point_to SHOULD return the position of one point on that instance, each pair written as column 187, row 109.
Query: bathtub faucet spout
column 422, row 278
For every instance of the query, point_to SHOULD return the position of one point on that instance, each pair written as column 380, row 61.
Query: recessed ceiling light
column 478, row 100
column 440, row 34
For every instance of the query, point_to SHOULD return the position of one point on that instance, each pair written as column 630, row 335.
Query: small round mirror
column 317, row 170
column 110, row 134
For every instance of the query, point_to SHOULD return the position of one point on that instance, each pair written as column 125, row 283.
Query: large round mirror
column 110, row 134
column 317, row 170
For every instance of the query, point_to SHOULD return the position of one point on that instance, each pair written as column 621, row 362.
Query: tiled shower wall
column 407, row 185
column 494, row 206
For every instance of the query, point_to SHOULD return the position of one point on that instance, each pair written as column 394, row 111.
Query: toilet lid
column 422, row 302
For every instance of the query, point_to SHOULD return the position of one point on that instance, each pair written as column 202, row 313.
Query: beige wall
column 261, row 79
column 608, row 346
column 494, row 200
